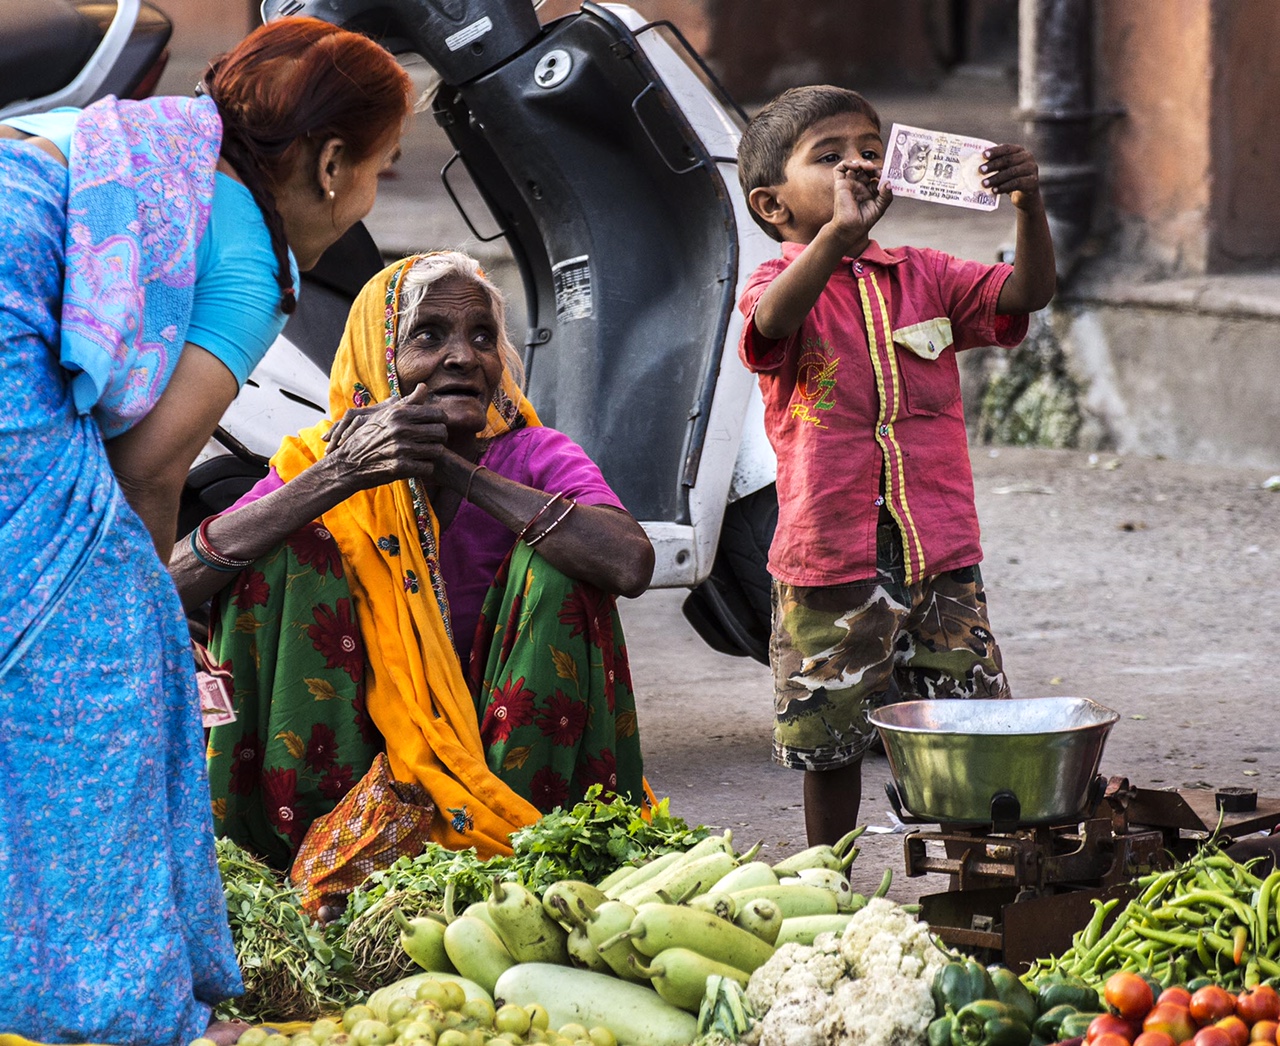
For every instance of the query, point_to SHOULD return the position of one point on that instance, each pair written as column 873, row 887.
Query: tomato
column 1258, row 1004
column 1177, row 994
column 1211, row 1003
column 1110, row 1024
column 1236, row 1028
column 1211, row 1036
column 1264, row 1031
column 1109, row 1038
column 1154, row 1038
column 1129, row 995
column 1172, row 1019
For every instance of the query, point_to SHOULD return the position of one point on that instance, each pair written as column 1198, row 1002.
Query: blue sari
column 113, row 927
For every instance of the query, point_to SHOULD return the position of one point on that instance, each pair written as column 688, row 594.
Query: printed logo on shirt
column 815, row 382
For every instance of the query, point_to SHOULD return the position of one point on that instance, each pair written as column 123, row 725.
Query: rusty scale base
column 1021, row 894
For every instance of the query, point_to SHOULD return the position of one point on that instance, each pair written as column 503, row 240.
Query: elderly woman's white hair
column 428, row 269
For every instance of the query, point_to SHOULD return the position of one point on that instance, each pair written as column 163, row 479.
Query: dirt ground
column 1147, row 585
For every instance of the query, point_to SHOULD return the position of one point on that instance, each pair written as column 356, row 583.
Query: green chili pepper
column 1010, row 990
column 989, row 1022
column 959, row 983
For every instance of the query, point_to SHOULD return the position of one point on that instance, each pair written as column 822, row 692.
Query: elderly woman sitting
column 431, row 573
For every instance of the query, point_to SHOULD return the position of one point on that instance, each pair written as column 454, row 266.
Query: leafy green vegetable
column 291, row 968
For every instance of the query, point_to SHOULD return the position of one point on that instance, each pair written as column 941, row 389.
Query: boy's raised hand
column 1011, row 170
column 860, row 200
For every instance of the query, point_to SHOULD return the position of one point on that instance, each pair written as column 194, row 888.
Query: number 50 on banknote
column 939, row 167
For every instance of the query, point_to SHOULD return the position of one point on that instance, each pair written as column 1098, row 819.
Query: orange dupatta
column 416, row 692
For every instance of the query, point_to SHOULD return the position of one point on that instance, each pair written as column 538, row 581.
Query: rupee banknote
column 936, row 166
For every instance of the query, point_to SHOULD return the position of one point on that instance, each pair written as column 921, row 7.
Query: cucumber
column 761, row 917
column 753, row 873
column 804, row 928
column 635, row 1013
column 524, row 926
column 407, row 988
column 683, row 879
column 423, row 941
column 657, row 927
column 680, row 976
column 645, row 872
column 792, row 900
column 577, row 896
column 476, row 951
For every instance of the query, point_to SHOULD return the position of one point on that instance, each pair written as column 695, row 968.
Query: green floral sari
column 549, row 673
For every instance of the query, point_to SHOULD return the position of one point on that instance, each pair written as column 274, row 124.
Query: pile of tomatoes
column 1208, row 1016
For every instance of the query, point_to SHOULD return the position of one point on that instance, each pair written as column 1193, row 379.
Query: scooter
column 73, row 52
column 604, row 150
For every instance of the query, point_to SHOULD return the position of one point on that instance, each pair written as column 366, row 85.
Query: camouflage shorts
column 839, row 651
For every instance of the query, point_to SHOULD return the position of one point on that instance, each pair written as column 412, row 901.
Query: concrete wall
column 1193, row 164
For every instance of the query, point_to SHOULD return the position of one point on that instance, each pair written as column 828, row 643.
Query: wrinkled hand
column 860, row 200
column 1011, row 170
column 395, row 439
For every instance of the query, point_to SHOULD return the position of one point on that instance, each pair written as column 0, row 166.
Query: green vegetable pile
column 290, row 966
column 295, row 969
column 585, row 841
column 1209, row 917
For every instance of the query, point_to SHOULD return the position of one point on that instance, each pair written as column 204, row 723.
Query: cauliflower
column 869, row 986
column 796, row 1019
column 882, row 940
column 879, row 1011
column 796, row 968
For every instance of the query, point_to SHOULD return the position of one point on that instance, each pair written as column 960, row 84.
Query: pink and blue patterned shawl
column 141, row 185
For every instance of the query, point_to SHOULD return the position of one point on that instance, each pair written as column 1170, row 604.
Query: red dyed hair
column 296, row 80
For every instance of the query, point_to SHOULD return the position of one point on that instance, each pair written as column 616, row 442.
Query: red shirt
column 867, row 386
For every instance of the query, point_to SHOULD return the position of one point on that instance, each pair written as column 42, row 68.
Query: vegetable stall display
column 605, row 929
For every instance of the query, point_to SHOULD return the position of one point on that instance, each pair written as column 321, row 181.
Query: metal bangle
column 538, row 515
column 554, row 523
column 211, row 557
column 466, row 494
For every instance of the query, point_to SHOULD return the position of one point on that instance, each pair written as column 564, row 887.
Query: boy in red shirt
column 877, row 592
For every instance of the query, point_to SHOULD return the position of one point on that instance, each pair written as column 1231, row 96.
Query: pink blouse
column 474, row 544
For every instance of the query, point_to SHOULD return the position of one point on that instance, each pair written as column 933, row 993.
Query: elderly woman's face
column 450, row 345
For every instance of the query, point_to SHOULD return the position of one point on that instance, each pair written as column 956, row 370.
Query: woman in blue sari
column 148, row 253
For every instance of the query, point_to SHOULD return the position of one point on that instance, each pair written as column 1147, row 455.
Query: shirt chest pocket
column 930, row 377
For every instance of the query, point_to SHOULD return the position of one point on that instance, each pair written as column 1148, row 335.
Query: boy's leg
column 831, row 801
column 832, row 654
column 947, row 648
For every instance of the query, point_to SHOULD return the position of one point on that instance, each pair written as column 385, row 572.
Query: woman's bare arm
column 152, row 459
column 394, row 440
column 599, row 544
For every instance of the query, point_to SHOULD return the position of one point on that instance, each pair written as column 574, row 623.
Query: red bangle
column 208, row 555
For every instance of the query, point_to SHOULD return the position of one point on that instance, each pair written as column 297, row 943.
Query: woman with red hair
column 148, row 258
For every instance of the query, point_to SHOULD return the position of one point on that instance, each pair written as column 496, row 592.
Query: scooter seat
column 44, row 46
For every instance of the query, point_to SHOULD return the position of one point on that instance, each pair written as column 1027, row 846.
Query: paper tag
column 938, row 167
column 215, row 700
